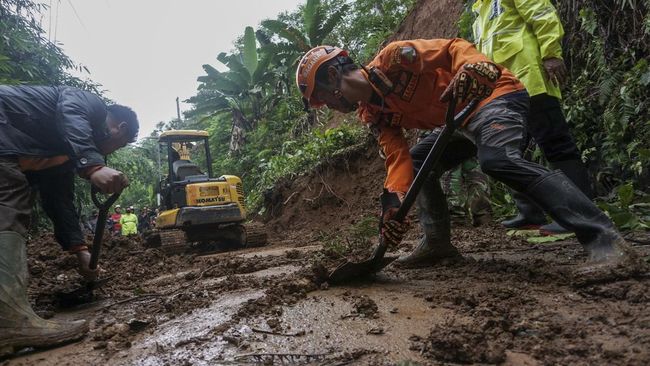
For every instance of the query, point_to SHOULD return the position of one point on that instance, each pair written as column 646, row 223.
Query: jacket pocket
column 506, row 44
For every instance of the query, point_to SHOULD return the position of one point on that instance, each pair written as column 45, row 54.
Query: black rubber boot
column 577, row 172
column 435, row 246
column 530, row 216
column 20, row 327
column 609, row 255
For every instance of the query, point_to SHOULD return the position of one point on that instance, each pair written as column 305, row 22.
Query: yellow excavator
column 199, row 213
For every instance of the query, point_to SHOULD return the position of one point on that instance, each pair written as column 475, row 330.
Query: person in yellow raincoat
column 525, row 36
column 129, row 222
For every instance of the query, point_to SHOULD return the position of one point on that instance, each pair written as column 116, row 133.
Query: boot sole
column 524, row 227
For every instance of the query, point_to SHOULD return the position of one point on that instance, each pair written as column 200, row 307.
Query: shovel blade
column 350, row 271
column 81, row 295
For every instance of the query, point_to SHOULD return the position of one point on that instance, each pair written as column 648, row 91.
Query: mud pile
column 517, row 300
column 124, row 263
column 335, row 195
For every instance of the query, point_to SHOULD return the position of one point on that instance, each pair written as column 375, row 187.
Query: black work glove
column 472, row 81
column 392, row 231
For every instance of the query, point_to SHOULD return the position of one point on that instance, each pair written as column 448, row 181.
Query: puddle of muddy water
column 325, row 317
column 190, row 338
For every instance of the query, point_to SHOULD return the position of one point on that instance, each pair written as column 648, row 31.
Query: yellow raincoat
column 129, row 223
column 519, row 34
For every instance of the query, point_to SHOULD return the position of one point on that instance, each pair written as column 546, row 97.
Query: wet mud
column 506, row 302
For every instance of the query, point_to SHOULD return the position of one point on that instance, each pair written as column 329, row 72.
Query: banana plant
column 316, row 25
column 244, row 90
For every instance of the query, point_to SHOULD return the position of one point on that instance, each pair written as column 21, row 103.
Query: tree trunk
column 238, row 132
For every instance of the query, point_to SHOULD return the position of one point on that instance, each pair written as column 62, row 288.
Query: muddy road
column 508, row 302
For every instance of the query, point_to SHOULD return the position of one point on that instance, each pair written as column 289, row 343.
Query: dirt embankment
column 430, row 19
column 335, row 195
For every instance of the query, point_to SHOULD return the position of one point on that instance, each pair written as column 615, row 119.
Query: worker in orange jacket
column 407, row 86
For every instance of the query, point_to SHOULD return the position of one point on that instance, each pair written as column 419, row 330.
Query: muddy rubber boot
column 435, row 246
column 610, row 257
column 577, row 172
column 529, row 217
column 20, row 327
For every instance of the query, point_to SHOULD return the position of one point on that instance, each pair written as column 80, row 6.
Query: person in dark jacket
column 144, row 220
column 46, row 135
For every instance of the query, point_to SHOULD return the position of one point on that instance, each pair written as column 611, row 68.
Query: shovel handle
column 102, row 215
column 102, row 205
column 452, row 123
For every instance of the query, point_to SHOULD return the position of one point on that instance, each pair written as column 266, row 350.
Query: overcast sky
column 145, row 53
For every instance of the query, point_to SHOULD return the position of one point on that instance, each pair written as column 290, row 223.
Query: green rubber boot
column 435, row 246
column 20, row 327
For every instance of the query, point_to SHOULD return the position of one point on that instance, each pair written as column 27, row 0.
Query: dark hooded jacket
column 39, row 121
column 52, row 122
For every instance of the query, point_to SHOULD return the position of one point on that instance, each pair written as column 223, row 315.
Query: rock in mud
column 462, row 344
column 365, row 307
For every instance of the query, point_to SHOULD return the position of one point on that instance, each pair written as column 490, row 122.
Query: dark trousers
column 56, row 189
column 549, row 128
column 497, row 134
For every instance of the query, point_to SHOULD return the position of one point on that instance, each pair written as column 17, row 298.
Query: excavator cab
column 198, row 209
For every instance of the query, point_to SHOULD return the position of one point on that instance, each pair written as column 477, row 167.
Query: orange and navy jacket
column 420, row 71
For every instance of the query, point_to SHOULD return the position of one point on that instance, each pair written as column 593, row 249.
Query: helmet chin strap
column 344, row 102
column 341, row 98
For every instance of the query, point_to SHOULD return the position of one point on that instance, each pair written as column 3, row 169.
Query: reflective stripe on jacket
column 519, row 34
column 420, row 71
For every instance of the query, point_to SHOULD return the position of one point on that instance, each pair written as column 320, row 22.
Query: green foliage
column 629, row 209
column 293, row 157
column 466, row 21
column 318, row 20
column 250, row 50
column 368, row 24
column 360, row 235
column 26, row 56
column 296, row 156
column 607, row 102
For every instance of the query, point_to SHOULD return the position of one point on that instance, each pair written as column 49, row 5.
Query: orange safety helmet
column 309, row 64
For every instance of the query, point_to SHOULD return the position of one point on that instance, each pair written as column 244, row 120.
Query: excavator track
column 206, row 241
column 256, row 235
column 170, row 241
column 173, row 242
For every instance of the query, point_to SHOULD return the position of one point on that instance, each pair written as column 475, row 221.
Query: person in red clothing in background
column 407, row 86
column 116, row 227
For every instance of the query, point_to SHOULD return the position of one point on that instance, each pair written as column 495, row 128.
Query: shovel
column 85, row 294
column 376, row 262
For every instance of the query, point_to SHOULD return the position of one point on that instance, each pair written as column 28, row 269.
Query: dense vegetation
column 260, row 131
